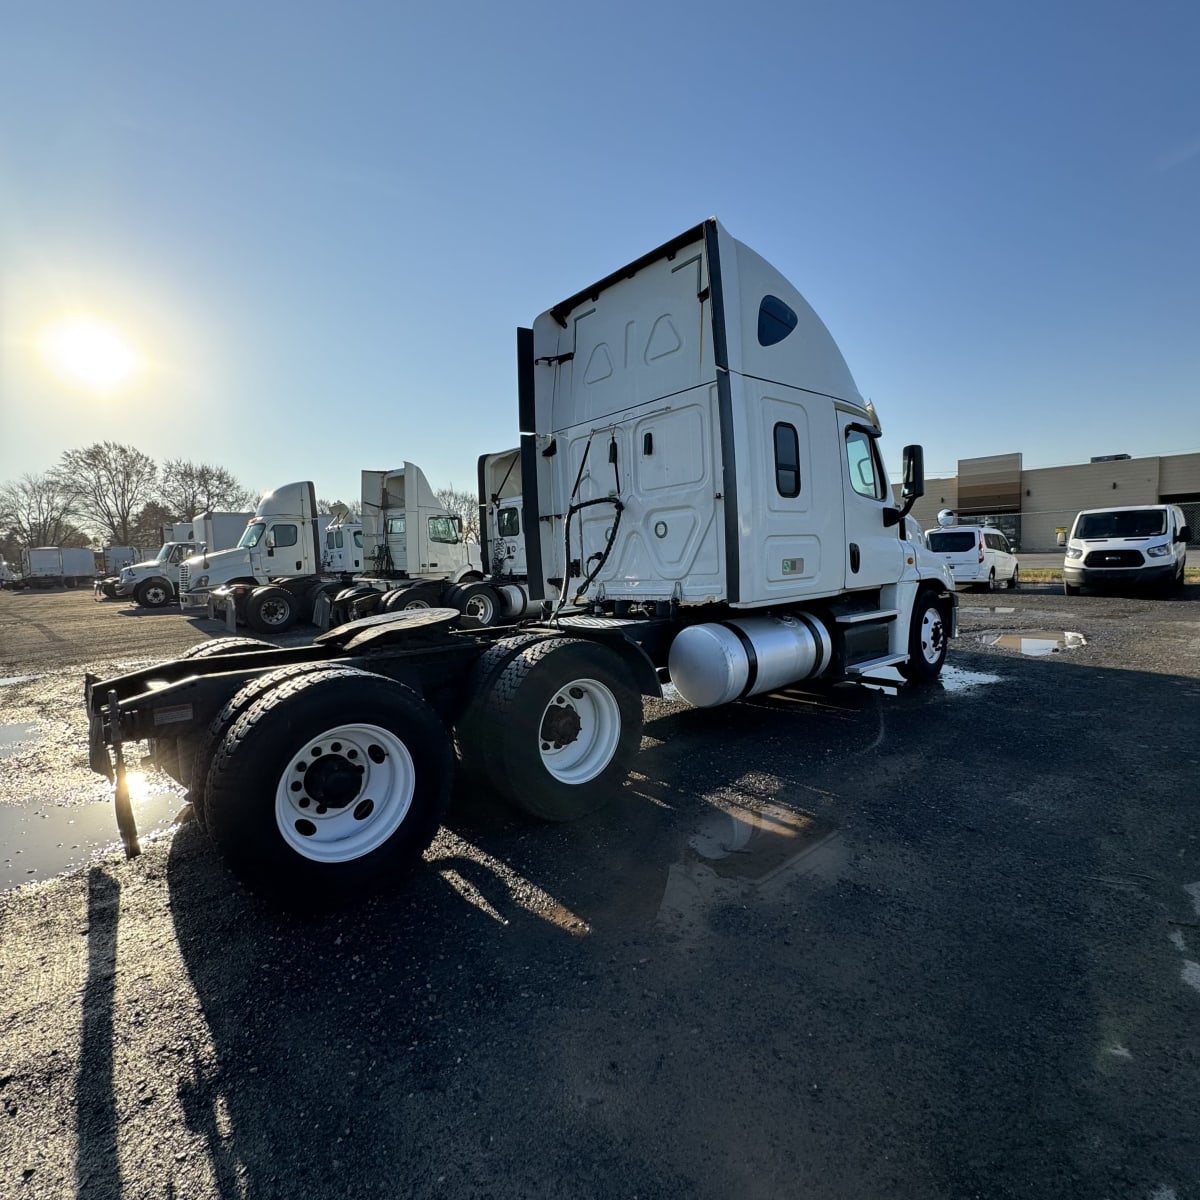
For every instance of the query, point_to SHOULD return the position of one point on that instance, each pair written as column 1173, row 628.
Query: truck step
column 877, row 616
column 874, row 664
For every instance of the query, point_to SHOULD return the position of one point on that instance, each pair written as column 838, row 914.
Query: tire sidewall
column 528, row 684
column 255, row 752
column 919, row 669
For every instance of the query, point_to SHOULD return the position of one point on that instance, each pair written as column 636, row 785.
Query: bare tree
column 146, row 530
column 464, row 505
column 189, row 489
column 108, row 483
column 37, row 511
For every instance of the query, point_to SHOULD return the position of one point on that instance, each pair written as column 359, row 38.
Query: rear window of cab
column 949, row 541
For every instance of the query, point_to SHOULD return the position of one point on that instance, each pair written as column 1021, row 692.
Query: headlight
column 201, row 581
column 1074, row 551
column 1159, row 551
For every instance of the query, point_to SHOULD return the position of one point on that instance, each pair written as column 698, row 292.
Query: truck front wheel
column 565, row 718
column 928, row 638
column 153, row 593
column 330, row 784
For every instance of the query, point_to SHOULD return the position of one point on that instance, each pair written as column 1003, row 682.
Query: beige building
column 1031, row 506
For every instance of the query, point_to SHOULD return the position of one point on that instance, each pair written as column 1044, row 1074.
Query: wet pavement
column 827, row 943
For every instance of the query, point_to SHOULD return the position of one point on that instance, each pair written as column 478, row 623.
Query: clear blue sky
column 322, row 223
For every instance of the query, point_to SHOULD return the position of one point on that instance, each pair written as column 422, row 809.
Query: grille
column 185, row 577
column 1114, row 558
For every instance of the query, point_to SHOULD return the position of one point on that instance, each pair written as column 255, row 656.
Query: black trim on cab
column 667, row 250
column 529, row 516
column 733, row 559
column 480, row 484
column 526, row 409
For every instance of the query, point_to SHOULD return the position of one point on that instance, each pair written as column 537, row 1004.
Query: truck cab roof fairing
column 732, row 286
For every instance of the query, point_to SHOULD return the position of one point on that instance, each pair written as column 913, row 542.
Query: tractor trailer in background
column 702, row 500
column 279, row 574
column 155, row 582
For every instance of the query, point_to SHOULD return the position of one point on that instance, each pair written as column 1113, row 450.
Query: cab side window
column 862, row 462
column 509, row 524
column 285, row 535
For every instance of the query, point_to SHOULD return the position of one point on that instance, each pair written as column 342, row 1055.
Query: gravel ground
column 840, row 944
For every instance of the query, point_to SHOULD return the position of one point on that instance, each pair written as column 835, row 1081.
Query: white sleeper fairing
column 696, row 436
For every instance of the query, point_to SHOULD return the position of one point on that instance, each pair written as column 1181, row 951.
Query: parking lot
column 838, row 943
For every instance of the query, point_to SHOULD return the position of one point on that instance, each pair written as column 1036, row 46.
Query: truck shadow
column 653, row 999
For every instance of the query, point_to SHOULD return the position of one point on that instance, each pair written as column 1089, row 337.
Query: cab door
column 874, row 549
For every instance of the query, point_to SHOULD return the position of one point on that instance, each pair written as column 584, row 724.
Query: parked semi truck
column 57, row 566
column 154, row 582
column 704, row 502
column 408, row 541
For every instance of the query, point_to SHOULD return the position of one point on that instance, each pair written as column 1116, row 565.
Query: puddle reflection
column 739, row 849
column 955, row 679
column 1035, row 642
column 43, row 841
column 14, row 736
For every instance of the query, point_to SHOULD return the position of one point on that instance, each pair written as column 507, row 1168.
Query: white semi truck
column 277, row 574
column 155, row 582
column 703, row 501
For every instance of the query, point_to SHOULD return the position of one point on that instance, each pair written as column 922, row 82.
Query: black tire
column 479, row 604
column 271, row 609
column 225, row 645
column 1069, row 589
column 419, row 595
column 1014, row 580
column 990, row 586
column 476, row 753
column 261, row 777
column 341, row 611
column 928, row 638
column 563, row 694
column 153, row 593
column 201, row 753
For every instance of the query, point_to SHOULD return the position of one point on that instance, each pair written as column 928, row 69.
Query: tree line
column 113, row 494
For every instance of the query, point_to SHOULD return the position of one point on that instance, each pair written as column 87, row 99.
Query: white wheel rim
column 480, row 607
column 156, row 595
column 346, row 817
column 416, row 604
column 933, row 635
column 589, row 717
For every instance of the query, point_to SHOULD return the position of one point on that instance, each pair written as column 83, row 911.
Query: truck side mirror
column 913, row 486
column 1184, row 534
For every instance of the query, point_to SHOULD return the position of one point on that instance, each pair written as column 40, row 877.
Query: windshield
column 1138, row 522
column 163, row 554
column 253, row 534
column 950, row 540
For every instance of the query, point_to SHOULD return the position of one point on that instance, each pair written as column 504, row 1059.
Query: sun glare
column 91, row 354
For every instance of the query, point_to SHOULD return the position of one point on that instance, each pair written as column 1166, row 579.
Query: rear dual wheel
column 559, row 728
column 330, row 784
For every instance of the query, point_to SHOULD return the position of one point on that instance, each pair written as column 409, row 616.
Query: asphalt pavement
column 841, row 943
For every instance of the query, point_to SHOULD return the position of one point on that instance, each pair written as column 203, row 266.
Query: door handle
column 855, row 558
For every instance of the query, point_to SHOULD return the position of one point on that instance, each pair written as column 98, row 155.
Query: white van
column 1142, row 546
column 977, row 555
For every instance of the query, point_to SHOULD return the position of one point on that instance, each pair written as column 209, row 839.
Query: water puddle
column 41, row 841
column 955, row 679
column 765, row 849
column 9, row 680
column 14, row 736
column 980, row 610
column 1035, row 642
